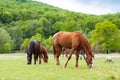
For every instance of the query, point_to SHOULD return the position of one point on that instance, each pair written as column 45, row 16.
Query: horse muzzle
column 90, row 66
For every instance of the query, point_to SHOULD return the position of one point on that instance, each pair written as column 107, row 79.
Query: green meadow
column 13, row 67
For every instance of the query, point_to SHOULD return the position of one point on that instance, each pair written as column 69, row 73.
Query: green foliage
column 116, row 42
column 5, row 41
column 16, row 34
column 48, row 43
column 25, row 44
column 37, row 37
column 57, row 26
column 104, row 35
column 69, row 26
column 7, row 47
column 46, row 27
column 25, row 18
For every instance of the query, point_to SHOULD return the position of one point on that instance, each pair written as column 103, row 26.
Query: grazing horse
column 33, row 48
column 74, row 41
column 43, row 54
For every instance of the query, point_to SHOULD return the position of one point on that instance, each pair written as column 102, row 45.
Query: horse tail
column 54, row 52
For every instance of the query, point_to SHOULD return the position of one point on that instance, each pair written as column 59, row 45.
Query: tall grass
column 13, row 67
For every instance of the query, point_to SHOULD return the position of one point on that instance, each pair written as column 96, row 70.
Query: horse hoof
column 58, row 64
column 76, row 66
column 90, row 67
column 28, row 63
column 64, row 66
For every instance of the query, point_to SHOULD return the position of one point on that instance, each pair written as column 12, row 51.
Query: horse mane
column 85, row 44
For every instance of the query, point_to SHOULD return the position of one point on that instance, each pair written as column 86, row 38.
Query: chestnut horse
column 33, row 49
column 74, row 41
column 43, row 54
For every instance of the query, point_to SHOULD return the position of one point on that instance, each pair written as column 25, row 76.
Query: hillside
column 23, row 19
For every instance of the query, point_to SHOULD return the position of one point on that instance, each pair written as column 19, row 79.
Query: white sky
column 87, row 6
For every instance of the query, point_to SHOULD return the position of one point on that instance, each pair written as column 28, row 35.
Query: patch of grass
column 13, row 67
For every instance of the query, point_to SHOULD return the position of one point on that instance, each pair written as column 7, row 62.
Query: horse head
column 89, row 60
column 45, row 59
column 44, row 54
column 29, row 57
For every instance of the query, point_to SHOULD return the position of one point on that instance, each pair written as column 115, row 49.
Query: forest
column 24, row 20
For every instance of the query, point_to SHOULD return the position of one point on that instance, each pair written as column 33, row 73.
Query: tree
column 37, row 37
column 48, row 43
column 17, row 36
column 5, row 41
column 46, row 27
column 6, row 17
column 116, row 42
column 69, row 26
column 104, row 35
column 57, row 26
column 24, row 45
column 26, row 41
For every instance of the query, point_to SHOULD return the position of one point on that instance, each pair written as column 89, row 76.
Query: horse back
column 66, row 39
column 34, row 46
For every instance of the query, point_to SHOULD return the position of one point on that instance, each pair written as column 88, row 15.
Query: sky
column 96, row 7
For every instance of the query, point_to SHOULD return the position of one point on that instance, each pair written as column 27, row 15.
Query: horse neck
column 85, row 45
column 45, row 54
column 44, row 51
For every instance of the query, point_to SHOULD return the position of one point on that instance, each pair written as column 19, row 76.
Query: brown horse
column 74, row 41
column 43, row 54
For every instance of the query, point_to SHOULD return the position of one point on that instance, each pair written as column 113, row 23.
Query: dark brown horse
column 43, row 54
column 74, row 41
column 33, row 49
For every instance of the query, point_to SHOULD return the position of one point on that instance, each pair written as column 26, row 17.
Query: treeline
column 24, row 20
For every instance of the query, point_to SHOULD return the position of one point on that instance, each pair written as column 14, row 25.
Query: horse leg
column 77, row 57
column 72, row 50
column 67, row 53
column 40, row 56
column 34, row 59
column 57, row 59
column 29, row 59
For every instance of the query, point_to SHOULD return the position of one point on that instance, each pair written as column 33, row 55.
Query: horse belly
column 66, row 42
column 66, row 45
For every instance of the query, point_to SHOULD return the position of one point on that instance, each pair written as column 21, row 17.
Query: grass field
column 13, row 67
